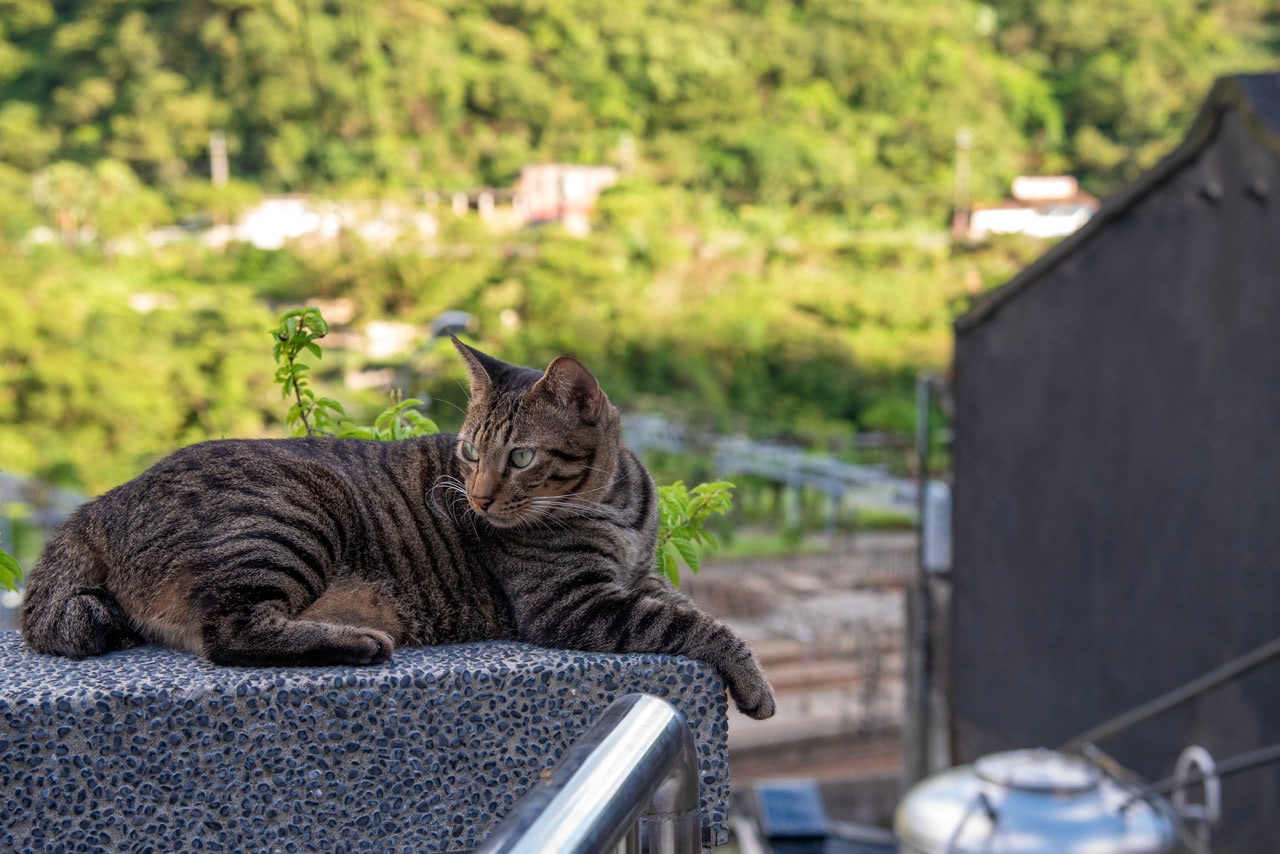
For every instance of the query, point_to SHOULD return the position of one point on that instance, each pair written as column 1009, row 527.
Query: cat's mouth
column 498, row 517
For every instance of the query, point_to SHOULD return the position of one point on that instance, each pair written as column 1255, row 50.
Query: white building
column 1042, row 206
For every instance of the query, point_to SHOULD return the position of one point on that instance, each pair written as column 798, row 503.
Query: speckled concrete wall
column 150, row 750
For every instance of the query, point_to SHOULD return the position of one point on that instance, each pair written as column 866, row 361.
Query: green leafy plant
column 683, row 515
column 400, row 420
column 10, row 572
column 298, row 330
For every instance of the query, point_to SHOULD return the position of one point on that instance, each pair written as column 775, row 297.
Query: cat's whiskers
column 541, row 521
column 597, row 470
column 459, row 489
column 448, row 481
column 453, row 485
column 557, row 502
column 523, row 514
column 531, row 511
column 450, row 402
column 578, row 497
column 568, row 506
column 587, row 491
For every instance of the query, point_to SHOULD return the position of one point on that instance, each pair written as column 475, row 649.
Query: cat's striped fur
column 534, row 523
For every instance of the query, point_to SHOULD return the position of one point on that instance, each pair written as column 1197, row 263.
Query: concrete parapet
column 147, row 749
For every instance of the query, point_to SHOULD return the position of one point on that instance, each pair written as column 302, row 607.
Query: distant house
column 276, row 220
column 1042, row 206
column 1117, row 471
column 555, row 192
column 563, row 192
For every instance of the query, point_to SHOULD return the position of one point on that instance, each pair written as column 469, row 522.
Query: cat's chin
column 501, row 521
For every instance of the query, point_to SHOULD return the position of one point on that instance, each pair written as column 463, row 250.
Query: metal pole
column 920, row 689
column 636, row 764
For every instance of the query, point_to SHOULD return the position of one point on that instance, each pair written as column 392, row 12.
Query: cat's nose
column 482, row 501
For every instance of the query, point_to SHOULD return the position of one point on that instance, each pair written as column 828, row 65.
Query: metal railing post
column 629, row 785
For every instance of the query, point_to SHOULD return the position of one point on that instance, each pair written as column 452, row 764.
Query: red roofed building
column 563, row 192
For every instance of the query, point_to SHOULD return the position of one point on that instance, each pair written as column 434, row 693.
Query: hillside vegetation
column 775, row 260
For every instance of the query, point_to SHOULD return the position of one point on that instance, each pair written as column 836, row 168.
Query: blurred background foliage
column 776, row 260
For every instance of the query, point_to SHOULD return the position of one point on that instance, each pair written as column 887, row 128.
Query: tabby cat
column 534, row 523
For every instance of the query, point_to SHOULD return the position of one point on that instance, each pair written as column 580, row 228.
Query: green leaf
column 682, row 515
column 689, row 552
column 670, row 557
column 422, row 425
column 10, row 572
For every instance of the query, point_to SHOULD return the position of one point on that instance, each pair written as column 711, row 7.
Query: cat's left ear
column 481, row 381
column 571, row 385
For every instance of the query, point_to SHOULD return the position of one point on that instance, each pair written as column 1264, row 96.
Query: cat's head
column 534, row 444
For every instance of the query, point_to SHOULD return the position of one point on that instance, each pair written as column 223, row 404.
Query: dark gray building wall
column 1117, row 482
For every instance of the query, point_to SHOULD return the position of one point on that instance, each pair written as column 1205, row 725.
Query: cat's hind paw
column 88, row 622
column 271, row 642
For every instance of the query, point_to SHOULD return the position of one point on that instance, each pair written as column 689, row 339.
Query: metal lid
column 1030, row 802
column 1038, row 770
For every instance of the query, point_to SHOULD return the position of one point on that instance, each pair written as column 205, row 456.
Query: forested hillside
column 775, row 258
column 830, row 103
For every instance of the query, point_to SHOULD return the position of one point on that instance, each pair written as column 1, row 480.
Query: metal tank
column 1031, row 802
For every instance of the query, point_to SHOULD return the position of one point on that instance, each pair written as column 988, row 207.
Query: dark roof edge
column 1227, row 93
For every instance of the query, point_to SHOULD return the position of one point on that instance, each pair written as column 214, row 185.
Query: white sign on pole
column 935, row 528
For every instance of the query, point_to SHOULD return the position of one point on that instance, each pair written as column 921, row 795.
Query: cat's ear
column 480, row 368
column 571, row 385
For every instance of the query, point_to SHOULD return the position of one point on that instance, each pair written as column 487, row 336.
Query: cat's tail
column 66, row 610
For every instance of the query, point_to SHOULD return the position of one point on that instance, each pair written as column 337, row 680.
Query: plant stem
column 297, row 394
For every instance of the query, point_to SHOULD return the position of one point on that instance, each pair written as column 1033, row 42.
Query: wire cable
column 1232, row 670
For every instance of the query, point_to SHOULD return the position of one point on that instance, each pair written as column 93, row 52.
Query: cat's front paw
column 751, row 691
column 367, row 646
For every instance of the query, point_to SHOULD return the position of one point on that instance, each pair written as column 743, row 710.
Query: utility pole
column 926, row 742
column 960, row 212
column 919, row 614
column 627, row 153
column 219, row 169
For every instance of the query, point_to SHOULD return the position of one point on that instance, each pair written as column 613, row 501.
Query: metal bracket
column 1195, row 765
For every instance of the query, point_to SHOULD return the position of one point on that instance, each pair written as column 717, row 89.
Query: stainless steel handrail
column 629, row 785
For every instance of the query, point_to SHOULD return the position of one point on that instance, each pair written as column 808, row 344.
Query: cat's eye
column 521, row 457
column 468, row 451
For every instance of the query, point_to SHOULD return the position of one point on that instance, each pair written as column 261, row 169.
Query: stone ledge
column 147, row 749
